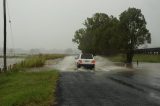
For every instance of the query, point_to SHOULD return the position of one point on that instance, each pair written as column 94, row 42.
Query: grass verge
column 139, row 57
column 35, row 61
column 28, row 88
column 117, row 58
column 147, row 58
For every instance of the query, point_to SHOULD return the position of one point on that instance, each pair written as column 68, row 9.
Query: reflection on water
column 10, row 61
column 148, row 66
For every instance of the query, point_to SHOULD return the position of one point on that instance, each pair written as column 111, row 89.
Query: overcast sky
column 51, row 24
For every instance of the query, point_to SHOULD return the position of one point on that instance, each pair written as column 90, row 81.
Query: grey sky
column 51, row 24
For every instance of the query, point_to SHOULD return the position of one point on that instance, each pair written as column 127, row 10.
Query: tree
column 98, row 34
column 134, row 31
column 105, row 35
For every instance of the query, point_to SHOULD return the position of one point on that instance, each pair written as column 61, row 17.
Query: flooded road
column 102, row 64
column 108, row 85
column 10, row 61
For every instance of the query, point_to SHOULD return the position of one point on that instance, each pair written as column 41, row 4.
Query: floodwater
column 148, row 66
column 10, row 61
column 108, row 84
column 102, row 64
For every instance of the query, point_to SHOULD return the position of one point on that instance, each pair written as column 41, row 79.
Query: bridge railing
column 153, row 51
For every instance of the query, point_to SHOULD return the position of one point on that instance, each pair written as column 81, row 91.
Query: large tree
column 133, row 31
column 98, row 35
column 105, row 35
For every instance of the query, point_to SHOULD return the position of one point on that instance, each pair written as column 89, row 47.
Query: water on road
column 102, row 64
column 108, row 85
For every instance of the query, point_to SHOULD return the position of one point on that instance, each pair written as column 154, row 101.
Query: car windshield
column 86, row 56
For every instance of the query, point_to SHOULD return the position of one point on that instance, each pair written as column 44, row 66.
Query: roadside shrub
column 53, row 56
column 35, row 61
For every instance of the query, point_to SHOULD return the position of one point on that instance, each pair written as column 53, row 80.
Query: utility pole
column 5, row 36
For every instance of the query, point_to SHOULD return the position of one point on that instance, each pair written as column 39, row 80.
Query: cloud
column 51, row 23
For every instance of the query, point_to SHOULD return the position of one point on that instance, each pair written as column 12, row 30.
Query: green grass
column 35, row 61
column 28, row 88
column 117, row 58
column 139, row 57
column 53, row 56
column 23, row 88
column 14, row 56
column 147, row 58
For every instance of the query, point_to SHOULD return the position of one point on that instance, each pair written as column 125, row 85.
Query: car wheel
column 78, row 66
column 93, row 68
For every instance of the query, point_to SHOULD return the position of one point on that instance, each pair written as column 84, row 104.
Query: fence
column 151, row 51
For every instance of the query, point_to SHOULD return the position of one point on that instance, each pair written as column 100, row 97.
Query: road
column 108, row 85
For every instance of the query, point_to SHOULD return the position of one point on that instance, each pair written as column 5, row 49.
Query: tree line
column 107, row 35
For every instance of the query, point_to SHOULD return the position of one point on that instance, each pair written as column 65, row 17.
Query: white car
column 85, row 60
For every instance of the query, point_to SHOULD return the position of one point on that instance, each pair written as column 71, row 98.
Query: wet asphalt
column 108, row 84
column 109, row 88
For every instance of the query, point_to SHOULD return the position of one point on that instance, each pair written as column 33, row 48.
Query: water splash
column 67, row 64
column 102, row 64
